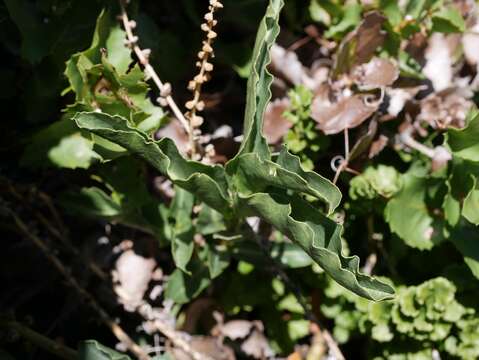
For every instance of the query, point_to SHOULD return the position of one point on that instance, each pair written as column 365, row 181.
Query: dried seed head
column 196, row 121
column 132, row 24
column 162, row 101
column 165, row 90
column 207, row 48
column 209, row 17
column 200, row 105
column 205, row 27
column 190, row 104
column 198, row 64
column 192, row 85
column 208, row 66
column 211, row 34
column 146, row 53
column 216, row 4
column 201, row 54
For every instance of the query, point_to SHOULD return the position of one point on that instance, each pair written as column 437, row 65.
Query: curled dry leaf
column 360, row 45
column 275, row 124
column 398, row 98
column 132, row 273
column 236, row 329
column 335, row 116
column 378, row 145
column 257, row 346
column 376, row 73
column 286, row 64
column 364, row 141
column 444, row 109
column 206, row 345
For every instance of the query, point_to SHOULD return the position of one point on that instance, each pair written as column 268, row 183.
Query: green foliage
column 427, row 314
column 373, row 182
column 251, row 184
column 92, row 350
column 303, row 139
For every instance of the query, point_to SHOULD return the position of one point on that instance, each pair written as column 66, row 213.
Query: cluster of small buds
column 165, row 91
column 205, row 68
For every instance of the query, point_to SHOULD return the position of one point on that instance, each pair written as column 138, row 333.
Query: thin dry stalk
column 120, row 334
column 203, row 76
column 53, row 347
column 143, row 57
column 177, row 338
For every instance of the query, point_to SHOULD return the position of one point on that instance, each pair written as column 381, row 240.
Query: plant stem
column 133, row 41
column 42, row 341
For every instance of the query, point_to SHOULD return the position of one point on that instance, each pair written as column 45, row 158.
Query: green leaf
column 470, row 209
column 182, row 288
column 259, row 82
column 464, row 142
column 253, row 175
column 182, row 242
column 408, row 215
column 92, row 202
column 60, row 144
column 466, row 240
column 217, row 260
column 318, row 236
column 350, row 18
column 448, row 20
column 93, row 350
column 208, row 183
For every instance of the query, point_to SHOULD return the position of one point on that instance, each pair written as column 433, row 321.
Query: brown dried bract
column 275, row 124
column 345, row 112
column 376, row 73
column 360, row 45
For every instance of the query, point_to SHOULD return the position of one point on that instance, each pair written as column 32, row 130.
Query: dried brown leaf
column 257, row 346
column 364, row 141
column 275, row 124
column 335, row 116
column 376, row 73
column 360, row 45
column 132, row 273
column 378, row 145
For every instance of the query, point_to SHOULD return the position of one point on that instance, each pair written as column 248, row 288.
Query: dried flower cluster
column 205, row 68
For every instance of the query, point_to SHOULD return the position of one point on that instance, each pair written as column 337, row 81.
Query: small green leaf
column 463, row 142
column 409, row 217
column 448, row 20
column 93, row 350
column 182, row 242
column 470, row 209
column 182, row 288
column 92, row 202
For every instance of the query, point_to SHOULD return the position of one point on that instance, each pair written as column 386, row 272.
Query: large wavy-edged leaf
column 259, row 82
column 318, row 236
column 208, row 183
column 254, row 175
